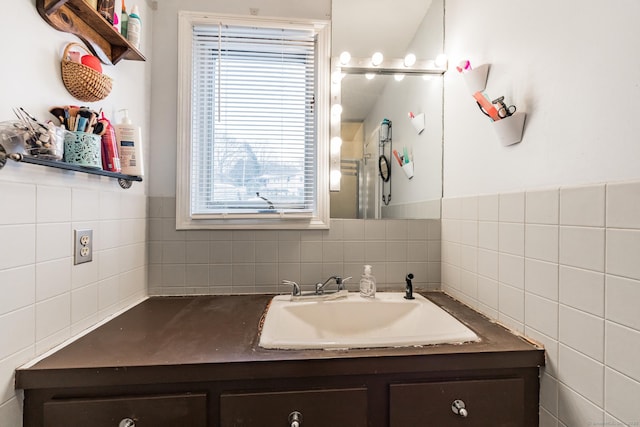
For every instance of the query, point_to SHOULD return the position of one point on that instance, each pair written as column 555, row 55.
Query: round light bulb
column 441, row 60
column 369, row 76
column 336, row 109
column 336, row 144
column 345, row 57
column 409, row 60
column 377, row 59
column 398, row 77
column 335, row 176
column 336, row 77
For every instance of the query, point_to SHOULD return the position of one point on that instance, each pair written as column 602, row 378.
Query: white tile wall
column 239, row 261
column 575, row 289
column 44, row 298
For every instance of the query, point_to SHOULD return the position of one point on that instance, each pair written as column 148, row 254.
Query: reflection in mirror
column 363, row 27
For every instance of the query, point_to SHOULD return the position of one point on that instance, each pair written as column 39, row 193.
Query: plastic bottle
column 367, row 283
column 117, row 15
column 129, row 139
column 124, row 20
column 110, row 158
column 134, row 27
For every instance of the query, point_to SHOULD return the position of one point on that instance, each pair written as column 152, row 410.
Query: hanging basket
column 84, row 83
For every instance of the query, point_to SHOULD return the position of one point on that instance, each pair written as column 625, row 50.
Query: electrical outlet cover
column 83, row 246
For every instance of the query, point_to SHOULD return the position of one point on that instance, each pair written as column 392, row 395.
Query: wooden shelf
column 79, row 18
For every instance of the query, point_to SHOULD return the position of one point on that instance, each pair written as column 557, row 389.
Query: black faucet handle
column 409, row 287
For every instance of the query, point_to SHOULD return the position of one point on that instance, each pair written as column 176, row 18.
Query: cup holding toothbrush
column 407, row 168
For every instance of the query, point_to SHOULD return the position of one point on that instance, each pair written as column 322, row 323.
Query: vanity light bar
column 391, row 66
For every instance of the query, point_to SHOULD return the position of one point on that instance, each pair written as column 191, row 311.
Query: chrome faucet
column 296, row 288
column 339, row 281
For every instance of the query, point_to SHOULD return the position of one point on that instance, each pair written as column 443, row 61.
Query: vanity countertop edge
column 203, row 338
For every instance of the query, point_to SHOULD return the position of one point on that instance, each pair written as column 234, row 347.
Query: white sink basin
column 388, row 320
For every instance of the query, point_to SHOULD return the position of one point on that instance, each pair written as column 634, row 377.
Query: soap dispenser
column 367, row 283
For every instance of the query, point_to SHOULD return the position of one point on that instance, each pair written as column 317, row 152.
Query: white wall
column 44, row 299
column 572, row 66
column 165, row 70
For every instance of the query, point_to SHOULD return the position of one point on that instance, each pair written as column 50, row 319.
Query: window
column 252, row 123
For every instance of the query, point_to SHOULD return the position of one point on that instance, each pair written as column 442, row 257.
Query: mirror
column 396, row 28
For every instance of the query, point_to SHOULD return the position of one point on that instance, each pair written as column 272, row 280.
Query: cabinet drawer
column 146, row 411
column 490, row 403
column 318, row 408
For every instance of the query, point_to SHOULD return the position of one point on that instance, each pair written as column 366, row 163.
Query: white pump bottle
column 129, row 139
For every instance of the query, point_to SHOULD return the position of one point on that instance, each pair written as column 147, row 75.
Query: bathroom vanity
column 195, row 361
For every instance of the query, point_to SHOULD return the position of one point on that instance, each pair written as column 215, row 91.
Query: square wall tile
column 17, row 330
column 52, row 316
column 452, row 208
column 541, row 278
column 512, row 207
column 397, row 229
column 53, row 204
column 488, row 264
column 582, row 331
column 622, row 349
column 511, row 238
column 575, row 410
column 582, row 247
column 488, row 292
column 469, row 208
column 53, row 278
column 488, row 235
column 417, row 229
column 622, row 396
column 22, row 206
column 582, row 289
column 22, row 250
column 622, row 301
column 489, row 207
column 541, row 242
column 469, row 232
column 542, row 207
column 267, row 251
column 85, row 205
column 333, row 252
column 17, row 287
column 84, row 303
column 623, row 205
column 583, row 206
column 374, row 230
column 511, row 270
column 541, row 314
column 220, row 252
column 511, row 302
column 623, row 250
column 583, row 374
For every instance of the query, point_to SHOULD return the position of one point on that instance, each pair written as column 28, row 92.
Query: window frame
column 318, row 219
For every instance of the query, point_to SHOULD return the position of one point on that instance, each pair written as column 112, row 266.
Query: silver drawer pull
column 295, row 419
column 458, row 408
column 127, row 422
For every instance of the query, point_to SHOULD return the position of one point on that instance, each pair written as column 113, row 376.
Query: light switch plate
column 83, row 244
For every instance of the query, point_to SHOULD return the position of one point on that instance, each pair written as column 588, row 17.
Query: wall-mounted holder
column 476, row 79
column 407, row 168
column 509, row 129
column 418, row 122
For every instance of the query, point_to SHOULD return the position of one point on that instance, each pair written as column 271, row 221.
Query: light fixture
column 441, row 60
column 336, row 144
column 398, row 77
column 345, row 57
column 336, row 109
column 336, row 77
column 376, row 59
column 369, row 76
column 409, row 60
column 334, row 176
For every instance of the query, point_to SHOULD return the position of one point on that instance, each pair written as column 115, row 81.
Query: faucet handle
column 296, row 288
column 340, row 281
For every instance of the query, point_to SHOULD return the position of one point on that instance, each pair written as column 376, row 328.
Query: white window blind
column 253, row 121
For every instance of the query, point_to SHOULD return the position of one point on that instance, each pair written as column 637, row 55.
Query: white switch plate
column 83, row 244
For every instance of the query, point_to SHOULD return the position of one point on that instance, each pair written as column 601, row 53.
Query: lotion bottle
column 134, row 27
column 129, row 139
column 367, row 283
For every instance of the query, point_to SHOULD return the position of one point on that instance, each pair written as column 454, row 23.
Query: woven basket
column 84, row 83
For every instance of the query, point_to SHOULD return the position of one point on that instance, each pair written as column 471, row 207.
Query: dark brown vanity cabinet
column 197, row 363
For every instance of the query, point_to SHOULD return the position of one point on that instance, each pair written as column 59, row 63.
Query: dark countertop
column 200, row 338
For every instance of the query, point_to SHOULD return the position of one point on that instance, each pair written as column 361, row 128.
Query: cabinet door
column 317, row 408
column 148, row 411
column 490, row 403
